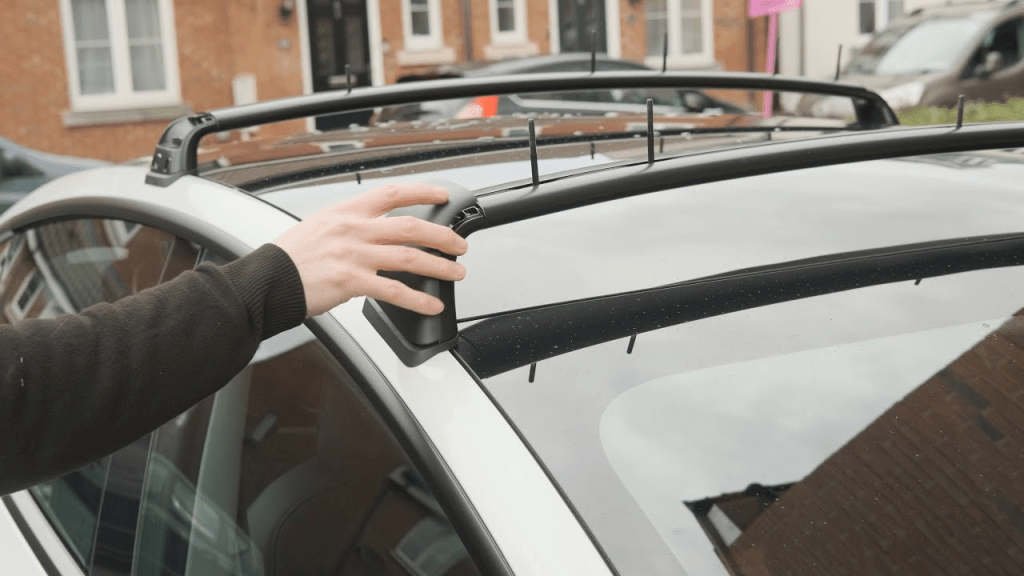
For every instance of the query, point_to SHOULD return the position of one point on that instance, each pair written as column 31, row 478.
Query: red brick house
column 102, row 78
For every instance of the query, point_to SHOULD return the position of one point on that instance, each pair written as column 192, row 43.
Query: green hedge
column 920, row 116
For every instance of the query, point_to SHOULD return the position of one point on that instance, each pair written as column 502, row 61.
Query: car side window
column 1004, row 43
column 62, row 268
column 298, row 475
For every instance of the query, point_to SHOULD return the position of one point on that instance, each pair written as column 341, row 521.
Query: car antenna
column 664, row 55
column 839, row 59
column 533, row 372
column 661, row 145
column 650, row 130
column 632, row 341
column 533, row 154
column 593, row 51
column 960, row 111
column 593, row 148
column 359, row 178
column 348, row 79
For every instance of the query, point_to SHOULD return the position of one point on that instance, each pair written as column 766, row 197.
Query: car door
column 995, row 70
column 287, row 470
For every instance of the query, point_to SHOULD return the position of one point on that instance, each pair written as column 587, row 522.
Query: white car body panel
column 532, row 525
column 24, row 559
column 529, row 520
column 16, row 555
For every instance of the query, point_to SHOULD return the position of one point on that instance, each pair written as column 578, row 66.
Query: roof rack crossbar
column 562, row 192
column 175, row 155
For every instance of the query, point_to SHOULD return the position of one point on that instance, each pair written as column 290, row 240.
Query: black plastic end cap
column 410, row 353
column 413, row 337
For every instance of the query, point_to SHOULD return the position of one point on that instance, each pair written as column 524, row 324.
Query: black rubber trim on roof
column 521, row 337
column 384, row 157
column 175, row 154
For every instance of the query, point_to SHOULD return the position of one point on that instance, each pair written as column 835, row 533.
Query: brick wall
column 216, row 41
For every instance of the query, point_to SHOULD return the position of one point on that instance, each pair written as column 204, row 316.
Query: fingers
column 416, row 261
column 410, row 230
column 397, row 293
column 380, row 201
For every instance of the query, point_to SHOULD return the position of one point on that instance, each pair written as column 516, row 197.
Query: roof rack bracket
column 413, row 337
column 175, row 154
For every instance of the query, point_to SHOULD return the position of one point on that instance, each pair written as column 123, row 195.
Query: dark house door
column 581, row 25
column 338, row 36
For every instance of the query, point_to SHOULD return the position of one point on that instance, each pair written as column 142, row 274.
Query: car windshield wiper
column 508, row 340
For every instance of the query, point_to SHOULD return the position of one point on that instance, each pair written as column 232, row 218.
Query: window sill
column 519, row 49
column 75, row 118
column 413, row 57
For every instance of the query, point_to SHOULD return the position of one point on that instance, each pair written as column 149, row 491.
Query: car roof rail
column 175, row 154
column 552, row 193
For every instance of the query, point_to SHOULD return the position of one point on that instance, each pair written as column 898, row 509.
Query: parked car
column 754, row 349
column 23, row 169
column 584, row 102
column 933, row 55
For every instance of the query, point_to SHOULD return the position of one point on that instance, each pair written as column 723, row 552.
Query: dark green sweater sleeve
column 78, row 387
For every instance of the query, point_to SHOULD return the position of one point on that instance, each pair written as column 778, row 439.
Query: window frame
column 676, row 57
column 515, row 36
column 882, row 17
column 432, row 41
column 124, row 95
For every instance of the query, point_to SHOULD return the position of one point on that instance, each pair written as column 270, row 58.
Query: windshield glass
column 930, row 46
column 755, row 441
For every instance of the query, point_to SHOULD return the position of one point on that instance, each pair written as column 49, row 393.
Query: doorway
column 581, row 25
column 339, row 35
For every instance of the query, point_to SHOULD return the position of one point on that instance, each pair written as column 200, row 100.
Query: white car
column 711, row 350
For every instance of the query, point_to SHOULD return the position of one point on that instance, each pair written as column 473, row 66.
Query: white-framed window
column 508, row 21
column 120, row 53
column 26, row 295
column 875, row 15
column 421, row 23
column 689, row 25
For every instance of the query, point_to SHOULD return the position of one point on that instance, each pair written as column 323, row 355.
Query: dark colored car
column 685, row 346
column 583, row 102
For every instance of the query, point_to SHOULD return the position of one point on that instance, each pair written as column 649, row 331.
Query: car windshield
column 930, row 46
column 851, row 429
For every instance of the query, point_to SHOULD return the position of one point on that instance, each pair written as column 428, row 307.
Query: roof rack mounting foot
column 415, row 338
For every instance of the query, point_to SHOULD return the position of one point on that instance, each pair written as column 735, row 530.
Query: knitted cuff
column 269, row 285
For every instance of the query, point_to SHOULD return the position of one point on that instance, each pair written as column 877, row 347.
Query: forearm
column 75, row 388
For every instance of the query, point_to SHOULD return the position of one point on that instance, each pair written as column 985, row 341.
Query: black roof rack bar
column 175, row 154
column 561, row 192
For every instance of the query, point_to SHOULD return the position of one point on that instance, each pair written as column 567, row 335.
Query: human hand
column 339, row 250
